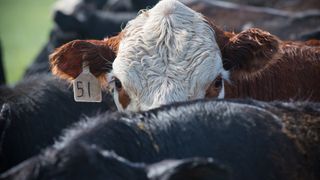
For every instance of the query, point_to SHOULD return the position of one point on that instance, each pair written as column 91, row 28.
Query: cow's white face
column 167, row 54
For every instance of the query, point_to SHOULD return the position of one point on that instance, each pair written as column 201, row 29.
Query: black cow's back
column 40, row 108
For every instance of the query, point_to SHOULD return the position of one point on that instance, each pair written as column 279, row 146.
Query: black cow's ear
column 188, row 169
column 66, row 61
column 249, row 50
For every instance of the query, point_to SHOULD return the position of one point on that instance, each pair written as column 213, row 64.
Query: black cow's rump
column 255, row 140
column 81, row 161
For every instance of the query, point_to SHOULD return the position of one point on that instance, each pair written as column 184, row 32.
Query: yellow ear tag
column 86, row 87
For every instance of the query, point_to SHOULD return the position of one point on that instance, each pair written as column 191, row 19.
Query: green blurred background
column 24, row 29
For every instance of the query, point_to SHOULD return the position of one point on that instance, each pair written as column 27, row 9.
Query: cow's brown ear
column 66, row 61
column 249, row 50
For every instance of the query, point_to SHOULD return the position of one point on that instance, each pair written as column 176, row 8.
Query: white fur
column 225, row 76
column 167, row 54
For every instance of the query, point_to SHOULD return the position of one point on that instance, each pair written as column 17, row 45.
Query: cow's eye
column 218, row 82
column 117, row 84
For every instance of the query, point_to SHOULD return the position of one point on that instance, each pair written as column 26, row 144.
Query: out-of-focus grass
column 24, row 29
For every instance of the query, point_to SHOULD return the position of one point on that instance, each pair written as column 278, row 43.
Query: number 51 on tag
column 86, row 88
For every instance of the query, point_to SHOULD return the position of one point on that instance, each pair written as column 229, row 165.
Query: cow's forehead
column 168, row 50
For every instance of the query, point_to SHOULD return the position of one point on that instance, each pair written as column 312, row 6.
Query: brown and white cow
column 171, row 53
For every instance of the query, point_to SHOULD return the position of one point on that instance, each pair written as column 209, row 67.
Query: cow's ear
column 66, row 61
column 249, row 50
column 188, row 169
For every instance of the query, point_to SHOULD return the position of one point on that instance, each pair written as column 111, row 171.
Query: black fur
column 253, row 138
column 40, row 107
column 81, row 162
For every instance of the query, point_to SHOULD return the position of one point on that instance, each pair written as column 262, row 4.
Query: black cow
column 34, row 113
column 255, row 140
column 81, row 162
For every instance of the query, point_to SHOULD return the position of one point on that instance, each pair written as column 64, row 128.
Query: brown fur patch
column 249, row 50
column 113, row 42
column 292, row 74
column 66, row 61
column 265, row 68
column 124, row 99
column 222, row 37
column 312, row 42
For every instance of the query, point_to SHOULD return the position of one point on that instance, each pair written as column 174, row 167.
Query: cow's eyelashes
column 218, row 82
column 118, row 84
column 115, row 83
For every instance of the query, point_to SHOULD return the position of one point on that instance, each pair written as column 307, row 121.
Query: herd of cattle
column 186, row 89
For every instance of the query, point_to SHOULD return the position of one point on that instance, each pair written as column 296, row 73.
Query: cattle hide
column 37, row 109
column 256, row 140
